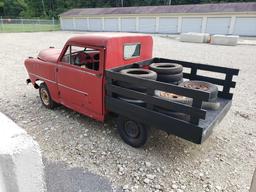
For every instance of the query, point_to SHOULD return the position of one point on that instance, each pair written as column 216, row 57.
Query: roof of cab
column 101, row 39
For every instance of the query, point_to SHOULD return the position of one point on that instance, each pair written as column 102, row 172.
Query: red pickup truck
column 103, row 73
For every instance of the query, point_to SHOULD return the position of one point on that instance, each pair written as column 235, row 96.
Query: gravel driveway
column 225, row 162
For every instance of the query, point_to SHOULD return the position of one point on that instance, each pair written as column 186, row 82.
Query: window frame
column 125, row 44
column 87, row 70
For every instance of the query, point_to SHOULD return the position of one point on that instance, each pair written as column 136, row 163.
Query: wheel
column 46, row 97
column 138, row 72
column 203, row 86
column 133, row 133
column 173, row 97
column 166, row 68
column 170, row 78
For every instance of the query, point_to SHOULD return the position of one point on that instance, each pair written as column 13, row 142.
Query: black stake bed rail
column 201, row 122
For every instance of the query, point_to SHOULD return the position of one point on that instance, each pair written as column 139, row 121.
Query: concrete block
column 21, row 166
column 195, row 37
column 253, row 183
column 224, row 39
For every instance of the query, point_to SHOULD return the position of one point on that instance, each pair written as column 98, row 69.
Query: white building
column 222, row 18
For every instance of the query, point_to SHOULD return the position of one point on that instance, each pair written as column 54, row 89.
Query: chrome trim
column 43, row 78
column 81, row 92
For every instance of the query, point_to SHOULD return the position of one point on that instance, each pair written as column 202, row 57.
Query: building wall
column 219, row 23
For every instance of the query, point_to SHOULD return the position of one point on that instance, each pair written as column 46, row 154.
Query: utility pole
column 122, row 3
column 169, row 2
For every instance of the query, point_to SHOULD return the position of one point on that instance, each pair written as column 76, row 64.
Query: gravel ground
column 225, row 162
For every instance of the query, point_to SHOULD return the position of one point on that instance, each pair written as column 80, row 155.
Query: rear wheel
column 46, row 97
column 132, row 132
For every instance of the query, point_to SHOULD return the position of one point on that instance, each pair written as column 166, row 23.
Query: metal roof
column 195, row 8
column 102, row 38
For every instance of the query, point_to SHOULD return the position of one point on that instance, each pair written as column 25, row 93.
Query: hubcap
column 131, row 129
column 45, row 96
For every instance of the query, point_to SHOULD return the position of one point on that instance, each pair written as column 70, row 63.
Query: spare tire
column 174, row 97
column 133, row 101
column 203, row 86
column 138, row 72
column 170, row 78
column 131, row 86
column 166, row 68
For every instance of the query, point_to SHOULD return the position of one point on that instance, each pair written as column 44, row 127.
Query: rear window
column 132, row 50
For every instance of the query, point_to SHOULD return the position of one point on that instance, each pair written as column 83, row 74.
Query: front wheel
column 46, row 97
column 133, row 133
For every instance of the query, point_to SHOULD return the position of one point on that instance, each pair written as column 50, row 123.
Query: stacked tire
column 136, row 72
column 168, row 72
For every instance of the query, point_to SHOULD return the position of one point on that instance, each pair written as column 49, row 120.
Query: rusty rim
column 199, row 86
column 170, row 95
column 45, row 96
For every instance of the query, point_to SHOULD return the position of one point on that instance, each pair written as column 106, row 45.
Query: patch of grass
column 28, row 27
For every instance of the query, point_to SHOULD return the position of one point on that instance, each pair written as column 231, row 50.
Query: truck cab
column 75, row 75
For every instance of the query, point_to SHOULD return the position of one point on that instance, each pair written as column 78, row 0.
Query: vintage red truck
column 99, row 74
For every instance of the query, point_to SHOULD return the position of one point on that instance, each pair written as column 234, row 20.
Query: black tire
column 45, row 96
column 204, row 86
column 211, row 105
column 138, row 72
column 131, row 86
column 170, row 78
column 133, row 133
column 166, row 68
column 133, row 101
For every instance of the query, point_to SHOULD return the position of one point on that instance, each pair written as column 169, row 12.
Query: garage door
column 67, row 24
column 168, row 25
column 245, row 26
column 95, row 24
column 191, row 24
column 218, row 25
column 128, row 24
column 111, row 24
column 147, row 25
column 81, row 24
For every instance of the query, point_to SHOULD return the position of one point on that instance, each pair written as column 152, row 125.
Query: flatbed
column 201, row 122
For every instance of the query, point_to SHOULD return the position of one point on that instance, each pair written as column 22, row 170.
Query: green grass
column 28, row 27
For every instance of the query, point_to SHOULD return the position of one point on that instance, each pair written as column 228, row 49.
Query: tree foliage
column 51, row 8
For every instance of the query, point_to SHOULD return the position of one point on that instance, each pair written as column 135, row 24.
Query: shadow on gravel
column 60, row 178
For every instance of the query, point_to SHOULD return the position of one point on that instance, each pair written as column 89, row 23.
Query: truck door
column 80, row 80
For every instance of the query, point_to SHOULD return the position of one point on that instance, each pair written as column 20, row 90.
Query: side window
column 132, row 50
column 83, row 57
